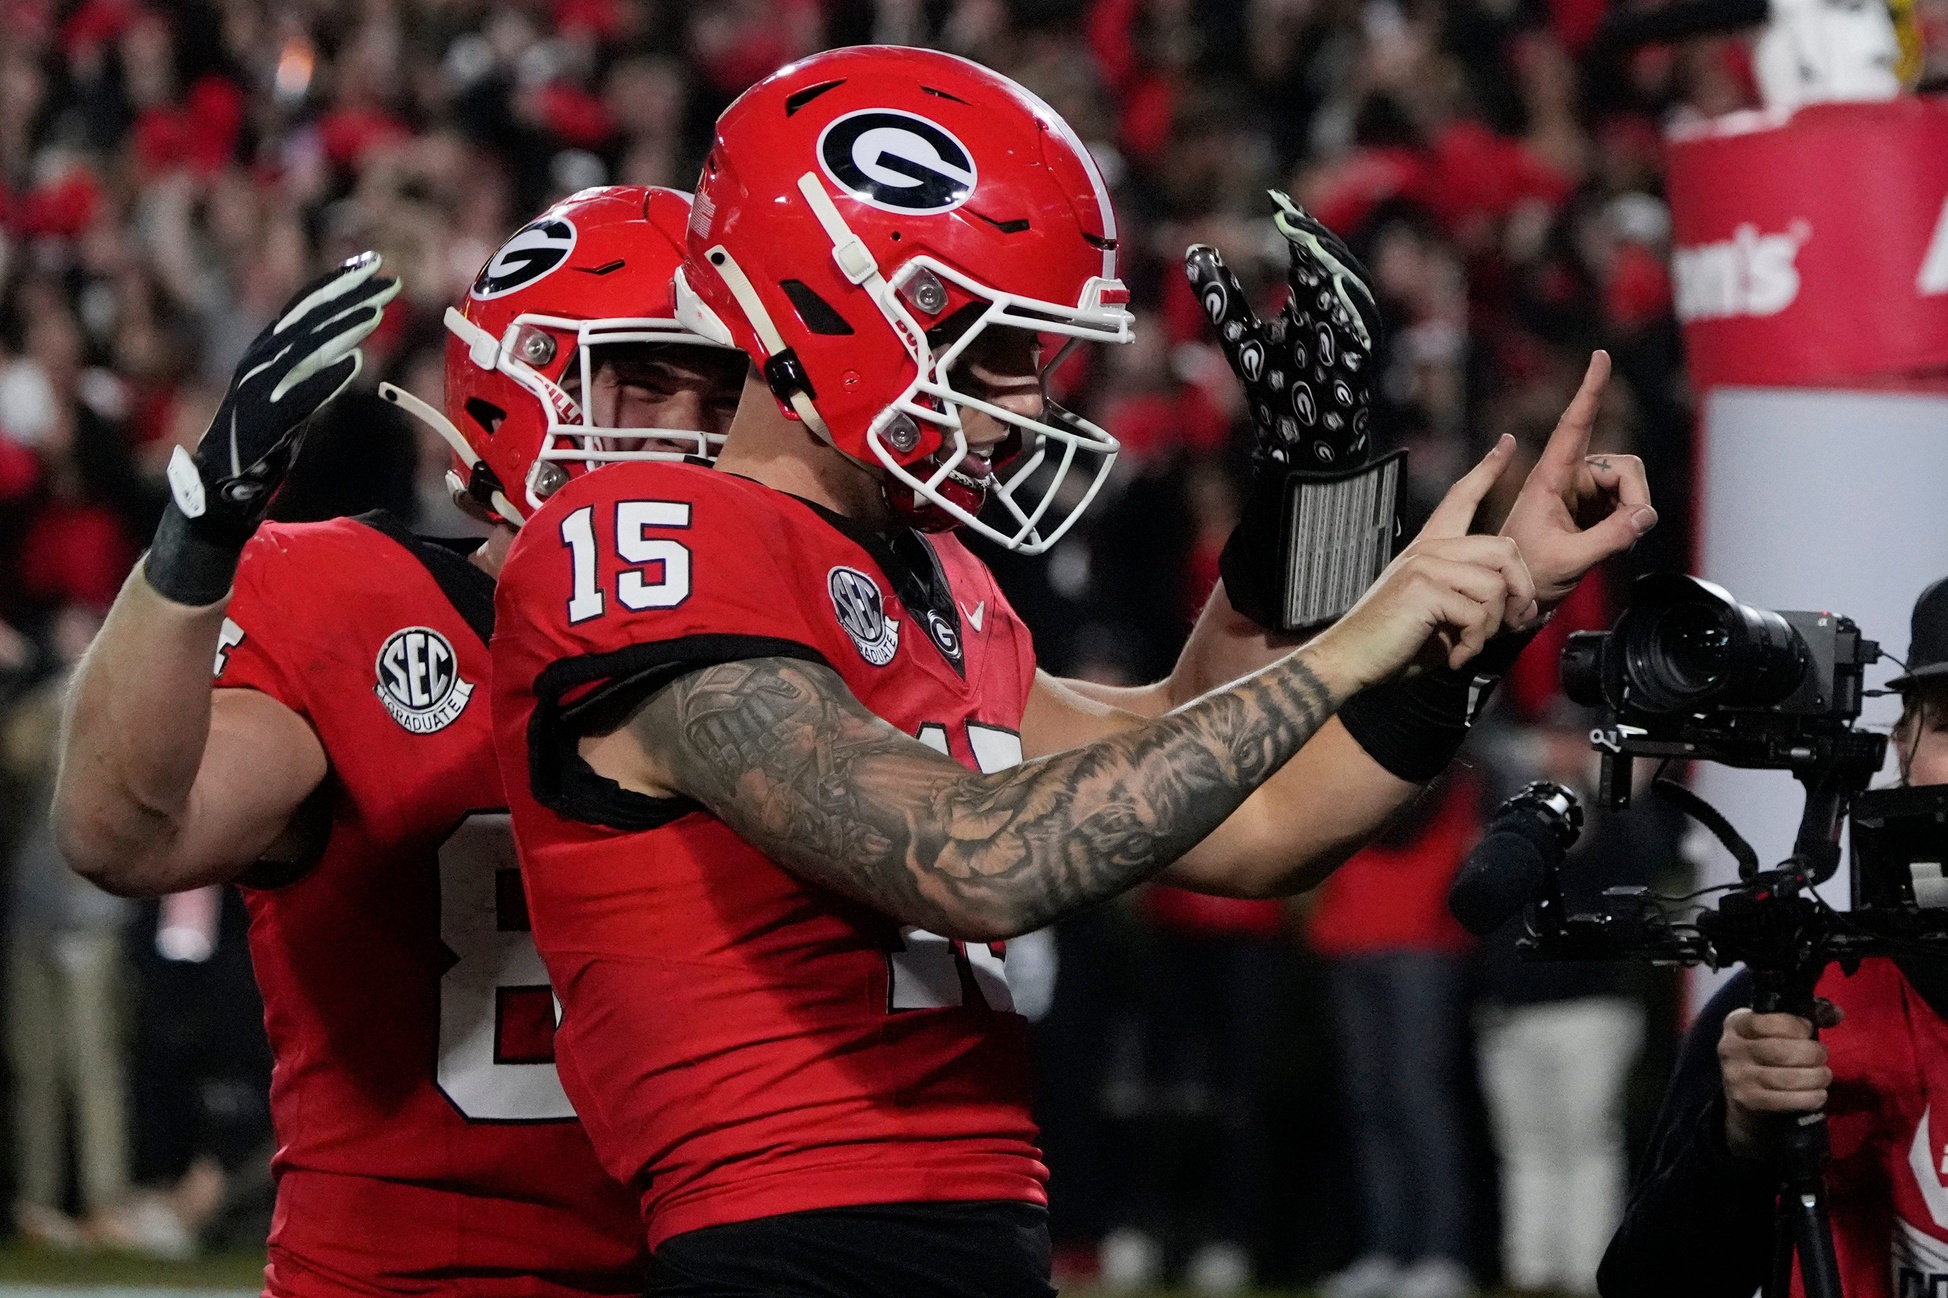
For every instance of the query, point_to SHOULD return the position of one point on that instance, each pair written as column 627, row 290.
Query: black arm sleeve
column 1699, row 1224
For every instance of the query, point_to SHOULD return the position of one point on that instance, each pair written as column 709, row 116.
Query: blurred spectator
column 1396, row 969
column 202, row 1112
column 1211, row 995
column 66, row 989
column 1557, row 1041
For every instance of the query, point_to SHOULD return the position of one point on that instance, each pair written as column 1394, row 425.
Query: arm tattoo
column 786, row 756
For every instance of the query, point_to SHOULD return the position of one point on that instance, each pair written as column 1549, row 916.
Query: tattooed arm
column 785, row 755
column 1332, row 797
column 1323, row 805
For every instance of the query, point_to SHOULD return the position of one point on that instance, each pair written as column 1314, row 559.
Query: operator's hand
column 299, row 362
column 1770, row 1064
column 1578, row 509
column 1446, row 589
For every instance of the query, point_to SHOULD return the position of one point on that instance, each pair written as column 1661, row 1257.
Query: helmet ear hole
column 485, row 413
column 818, row 315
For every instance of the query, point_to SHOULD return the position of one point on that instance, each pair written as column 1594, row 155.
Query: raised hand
column 221, row 491
column 1307, row 372
column 1318, row 521
column 1577, row 509
column 299, row 362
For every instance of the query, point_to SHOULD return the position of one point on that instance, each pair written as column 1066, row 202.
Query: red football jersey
column 424, row 1142
column 1887, row 1186
column 742, row 1043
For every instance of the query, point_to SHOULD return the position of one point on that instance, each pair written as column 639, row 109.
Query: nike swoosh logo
column 975, row 614
column 1933, row 1193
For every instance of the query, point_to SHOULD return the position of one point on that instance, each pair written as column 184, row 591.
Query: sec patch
column 419, row 680
column 861, row 610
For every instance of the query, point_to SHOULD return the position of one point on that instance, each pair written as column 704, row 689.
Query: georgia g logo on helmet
column 533, row 251
column 897, row 161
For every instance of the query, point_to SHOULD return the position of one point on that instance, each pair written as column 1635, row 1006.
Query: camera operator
column 1700, row 1222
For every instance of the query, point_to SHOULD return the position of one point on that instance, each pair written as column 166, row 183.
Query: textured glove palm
column 221, row 491
column 1317, row 522
column 1307, row 371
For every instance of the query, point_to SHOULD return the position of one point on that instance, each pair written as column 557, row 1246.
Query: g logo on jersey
column 536, row 249
column 419, row 680
column 862, row 612
column 944, row 635
column 897, row 161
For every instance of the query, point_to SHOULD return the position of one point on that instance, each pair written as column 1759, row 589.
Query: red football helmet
column 864, row 215
column 593, row 271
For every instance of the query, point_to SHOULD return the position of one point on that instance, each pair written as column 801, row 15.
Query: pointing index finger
column 1571, row 440
column 1456, row 512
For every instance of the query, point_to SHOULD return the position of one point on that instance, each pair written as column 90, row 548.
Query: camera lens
column 1687, row 644
column 1696, row 647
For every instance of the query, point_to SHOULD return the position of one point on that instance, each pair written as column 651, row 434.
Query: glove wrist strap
column 186, row 566
column 1308, row 544
column 1414, row 725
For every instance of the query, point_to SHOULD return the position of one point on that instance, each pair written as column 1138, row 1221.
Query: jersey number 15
column 660, row 573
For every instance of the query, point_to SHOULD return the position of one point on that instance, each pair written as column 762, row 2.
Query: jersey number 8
column 497, row 1012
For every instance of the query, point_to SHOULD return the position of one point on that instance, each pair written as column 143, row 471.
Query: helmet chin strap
column 440, row 424
column 855, row 262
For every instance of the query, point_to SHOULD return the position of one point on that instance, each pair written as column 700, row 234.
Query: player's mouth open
column 975, row 469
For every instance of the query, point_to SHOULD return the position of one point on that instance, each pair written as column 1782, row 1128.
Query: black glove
column 1318, row 520
column 220, row 493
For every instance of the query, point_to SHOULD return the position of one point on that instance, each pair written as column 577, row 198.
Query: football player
column 339, row 767
column 784, row 775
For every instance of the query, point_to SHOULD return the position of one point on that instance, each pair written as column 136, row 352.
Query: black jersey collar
column 466, row 586
column 910, row 563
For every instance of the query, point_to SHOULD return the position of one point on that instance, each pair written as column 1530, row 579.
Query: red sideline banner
column 1814, row 252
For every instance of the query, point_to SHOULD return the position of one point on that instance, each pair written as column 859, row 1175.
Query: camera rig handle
column 1842, row 766
column 1712, row 819
column 1801, row 1225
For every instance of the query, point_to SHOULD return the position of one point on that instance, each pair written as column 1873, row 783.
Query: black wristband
column 185, row 566
column 1414, row 725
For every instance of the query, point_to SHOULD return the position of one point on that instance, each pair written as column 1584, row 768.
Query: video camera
column 1690, row 674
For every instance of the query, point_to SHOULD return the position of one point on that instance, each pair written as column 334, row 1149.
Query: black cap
column 1927, row 647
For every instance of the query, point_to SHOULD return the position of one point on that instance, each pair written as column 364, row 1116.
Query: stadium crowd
column 170, row 173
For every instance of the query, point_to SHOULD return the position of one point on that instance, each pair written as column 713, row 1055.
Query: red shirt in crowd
column 1393, row 896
